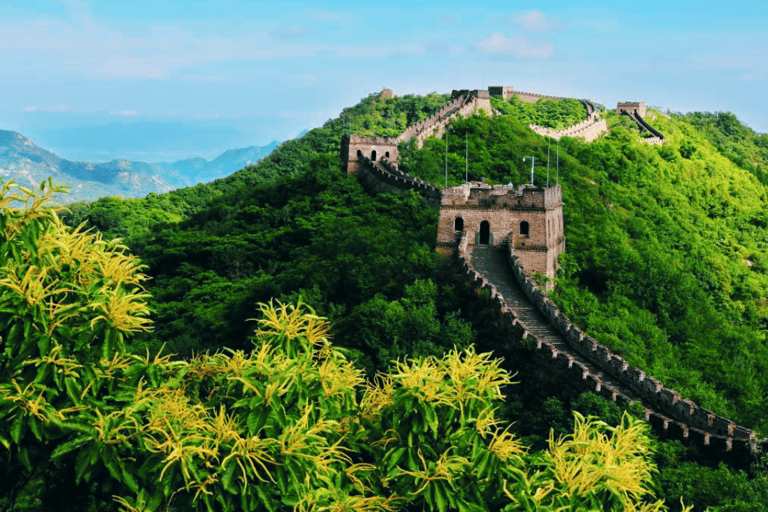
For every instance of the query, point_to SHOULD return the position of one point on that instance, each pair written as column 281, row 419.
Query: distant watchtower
column 529, row 219
column 631, row 107
column 375, row 148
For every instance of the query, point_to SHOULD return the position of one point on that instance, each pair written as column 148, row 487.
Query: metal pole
column 446, row 158
column 466, row 158
column 533, row 159
column 549, row 143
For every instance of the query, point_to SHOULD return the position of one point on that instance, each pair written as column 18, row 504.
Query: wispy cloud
column 61, row 107
column 125, row 113
column 534, row 21
column 517, row 47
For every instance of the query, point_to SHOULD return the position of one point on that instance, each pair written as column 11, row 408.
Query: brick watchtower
column 528, row 218
column 375, row 148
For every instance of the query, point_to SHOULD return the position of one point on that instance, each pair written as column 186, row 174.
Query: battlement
column 630, row 107
column 526, row 217
column 481, row 194
column 354, row 147
column 505, row 91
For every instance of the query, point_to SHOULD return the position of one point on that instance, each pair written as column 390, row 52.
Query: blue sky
column 160, row 80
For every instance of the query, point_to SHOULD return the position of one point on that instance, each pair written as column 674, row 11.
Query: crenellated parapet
column 665, row 407
column 589, row 129
column 632, row 107
column 593, row 367
column 387, row 174
column 527, row 217
column 637, row 111
column 355, row 147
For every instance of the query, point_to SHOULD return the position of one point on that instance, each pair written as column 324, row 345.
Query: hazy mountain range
column 28, row 164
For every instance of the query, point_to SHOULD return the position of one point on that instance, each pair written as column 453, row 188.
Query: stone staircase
column 491, row 262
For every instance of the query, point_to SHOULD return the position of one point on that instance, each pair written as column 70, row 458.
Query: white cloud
column 518, row 47
column 535, row 21
column 123, row 113
column 61, row 107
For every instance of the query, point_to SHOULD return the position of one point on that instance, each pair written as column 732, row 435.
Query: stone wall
column 667, row 406
column 464, row 103
column 665, row 410
column 353, row 147
column 589, row 129
column 385, row 176
column 630, row 107
column 505, row 209
column 532, row 97
column 505, row 91
column 638, row 110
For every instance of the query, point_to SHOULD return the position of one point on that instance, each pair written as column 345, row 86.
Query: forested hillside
column 665, row 263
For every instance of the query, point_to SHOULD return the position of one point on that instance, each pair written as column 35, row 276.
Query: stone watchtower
column 631, row 107
column 528, row 218
column 375, row 148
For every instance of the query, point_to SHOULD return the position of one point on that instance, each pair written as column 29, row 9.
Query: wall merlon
column 669, row 396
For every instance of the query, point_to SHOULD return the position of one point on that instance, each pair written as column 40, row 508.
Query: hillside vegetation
column 665, row 263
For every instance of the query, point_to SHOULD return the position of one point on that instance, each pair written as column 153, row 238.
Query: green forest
column 285, row 339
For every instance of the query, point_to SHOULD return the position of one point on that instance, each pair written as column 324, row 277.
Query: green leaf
column 266, row 499
column 35, row 427
column 228, row 479
column 440, row 496
column 395, row 457
column 17, row 427
column 24, row 458
column 128, row 478
column 71, row 445
column 82, row 463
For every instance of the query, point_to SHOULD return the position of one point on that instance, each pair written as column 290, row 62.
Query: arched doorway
column 524, row 228
column 373, row 155
column 458, row 224
column 485, row 232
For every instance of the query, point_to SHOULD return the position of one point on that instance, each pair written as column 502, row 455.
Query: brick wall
column 631, row 107
column 384, row 147
column 506, row 209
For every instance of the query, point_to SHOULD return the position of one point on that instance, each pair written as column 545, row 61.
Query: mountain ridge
column 23, row 161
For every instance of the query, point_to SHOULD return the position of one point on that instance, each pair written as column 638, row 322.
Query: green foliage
column 66, row 300
column 388, row 117
column 243, row 431
column 734, row 140
column 665, row 251
column 549, row 113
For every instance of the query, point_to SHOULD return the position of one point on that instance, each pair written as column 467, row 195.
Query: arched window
column 458, row 224
column 485, row 232
column 386, row 155
column 373, row 155
column 524, row 228
column 359, row 153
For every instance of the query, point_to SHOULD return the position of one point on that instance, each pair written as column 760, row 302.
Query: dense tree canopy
column 665, row 262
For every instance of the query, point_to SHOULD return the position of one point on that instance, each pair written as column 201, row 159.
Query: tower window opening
column 373, row 155
column 524, row 228
column 485, row 232
column 458, row 224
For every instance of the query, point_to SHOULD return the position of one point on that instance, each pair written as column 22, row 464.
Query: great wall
column 527, row 237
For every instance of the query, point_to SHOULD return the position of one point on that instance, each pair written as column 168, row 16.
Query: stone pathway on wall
column 491, row 263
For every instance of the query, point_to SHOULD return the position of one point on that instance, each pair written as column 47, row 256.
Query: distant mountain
column 27, row 164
